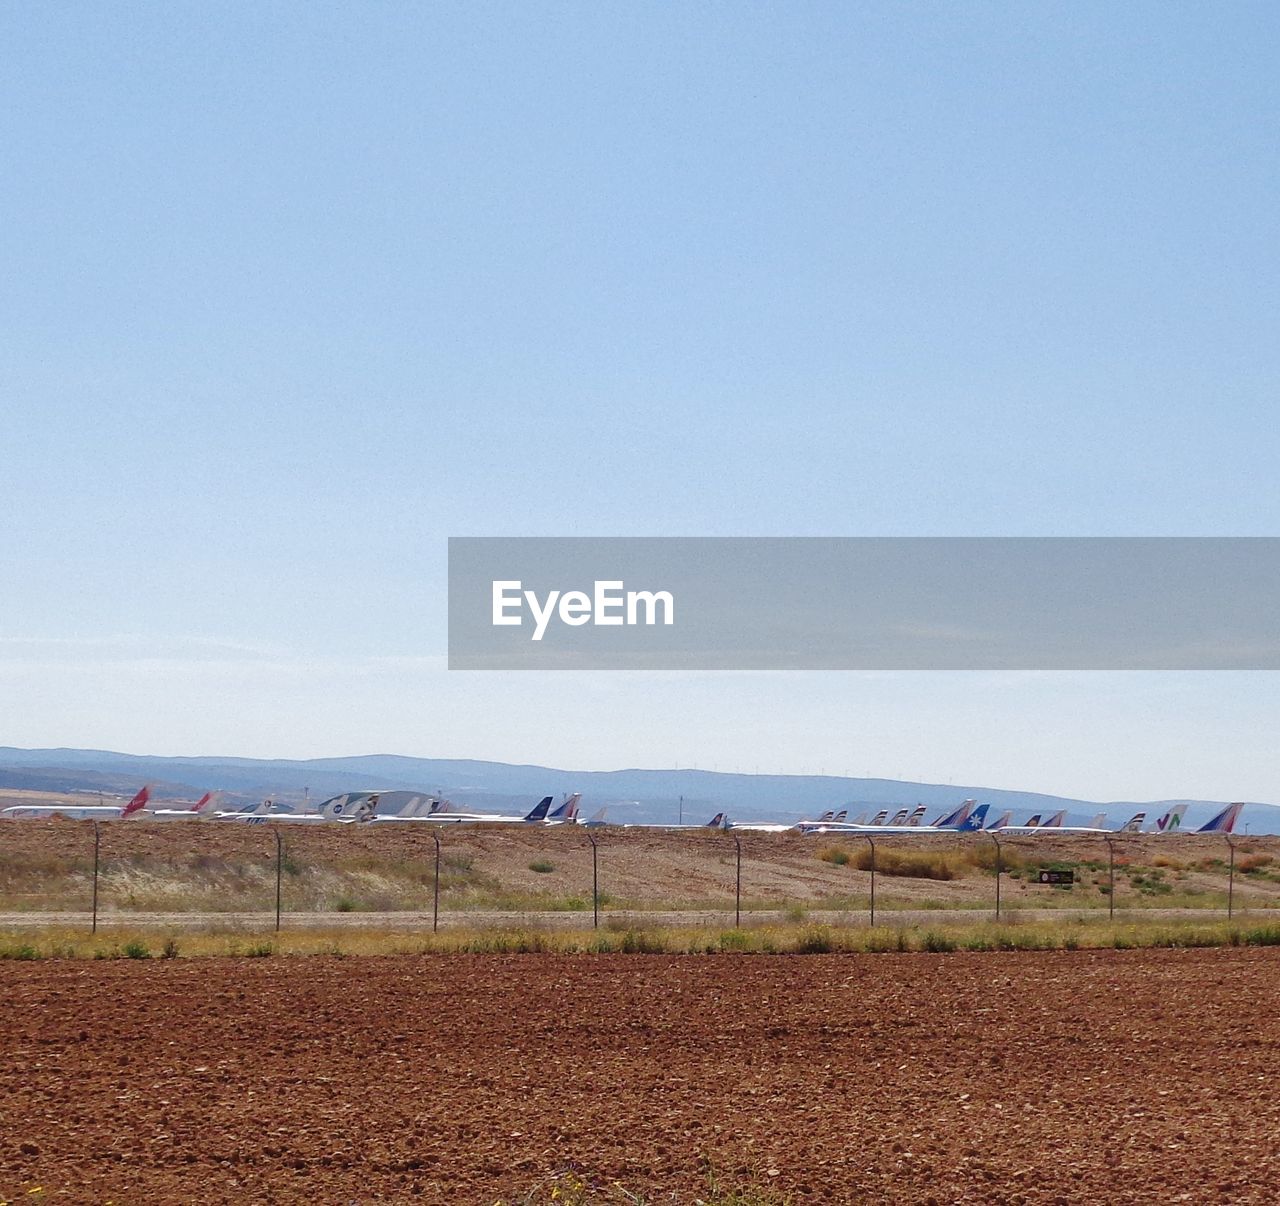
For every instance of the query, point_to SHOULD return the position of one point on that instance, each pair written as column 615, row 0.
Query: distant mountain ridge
column 630, row 794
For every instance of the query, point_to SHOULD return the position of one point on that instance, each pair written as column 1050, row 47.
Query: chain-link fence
column 420, row 875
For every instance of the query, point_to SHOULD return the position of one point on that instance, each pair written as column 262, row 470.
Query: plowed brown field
column 1068, row 1076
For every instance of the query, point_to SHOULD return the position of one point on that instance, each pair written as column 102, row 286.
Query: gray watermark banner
column 864, row 603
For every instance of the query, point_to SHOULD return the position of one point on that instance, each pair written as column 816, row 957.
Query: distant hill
column 631, row 795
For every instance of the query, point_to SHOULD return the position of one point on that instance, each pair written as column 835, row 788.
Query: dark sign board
column 1057, row 877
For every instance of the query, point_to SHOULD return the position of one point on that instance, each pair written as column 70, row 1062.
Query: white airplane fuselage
column 72, row 812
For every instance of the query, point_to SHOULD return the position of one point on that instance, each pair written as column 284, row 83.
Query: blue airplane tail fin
column 539, row 811
column 973, row 822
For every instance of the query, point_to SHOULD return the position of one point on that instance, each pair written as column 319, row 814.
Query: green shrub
column 542, row 866
column 642, row 942
column 815, row 940
column 136, row 949
column 22, row 952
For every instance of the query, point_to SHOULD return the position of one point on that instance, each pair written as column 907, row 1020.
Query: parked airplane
column 719, row 821
column 263, row 814
column 395, row 807
column 81, row 812
column 445, row 814
column 830, row 817
column 567, row 813
column 1171, row 822
column 78, row 812
column 964, row 819
column 382, row 807
column 345, row 809
column 204, row 808
column 1224, row 822
column 754, row 826
column 1055, row 824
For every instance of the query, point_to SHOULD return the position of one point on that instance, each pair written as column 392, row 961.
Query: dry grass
column 212, row 870
column 799, row 938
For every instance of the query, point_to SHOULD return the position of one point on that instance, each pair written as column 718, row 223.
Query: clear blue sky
column 292, row 293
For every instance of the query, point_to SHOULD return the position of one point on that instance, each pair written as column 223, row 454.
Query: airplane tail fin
column 878, row 819
column 334, row 808
column 917, row 815
column 207, row 804
column 1133, row 824
column 1225, row 821
column 420, row 806
column 539, row 811
column 955, row 817
column 1033, row 822
column 840, row 816
column 1171, row 822
column 568, row 811
column 719, row 821
column 597, row 817
column 351, row 806
column 899, row 817
column 1098, row 822
column 1055, row 821
column 973, row 822
column 827, row 816
column 1002, row 820
column 138, row 803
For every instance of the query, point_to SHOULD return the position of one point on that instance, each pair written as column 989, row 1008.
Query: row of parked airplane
column 970, row 817
column 358, row 806
column 403, row 807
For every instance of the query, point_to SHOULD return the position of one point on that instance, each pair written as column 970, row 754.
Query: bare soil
column 1132, row 1076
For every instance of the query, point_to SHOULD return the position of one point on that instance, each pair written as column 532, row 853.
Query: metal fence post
column 279, row 873
column 435, row 888
column 872, row 844
column 595, row 881
column 1231, row 876
column 1111, row 877
column 999, row 869
column 737, row 886
column 97, row 837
